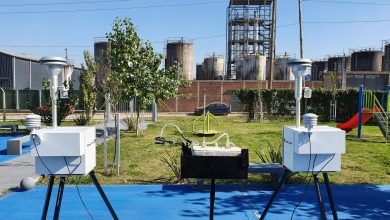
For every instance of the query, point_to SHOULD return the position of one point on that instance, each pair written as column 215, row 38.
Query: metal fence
column 22, row 99
column 129, row 110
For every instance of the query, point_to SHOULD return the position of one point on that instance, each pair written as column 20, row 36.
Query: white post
column 105, row 143
column 53, row 93
column 4, row 105
column 154, row 111
column 17, row 99
column 40, row 97
column 118, row 144
column 204, row 104
column 108, row 107
column 298, row 96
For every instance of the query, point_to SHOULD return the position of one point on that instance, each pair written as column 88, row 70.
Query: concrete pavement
column 12, row 172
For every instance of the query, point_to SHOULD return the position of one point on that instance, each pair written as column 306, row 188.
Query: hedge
column 281, row 102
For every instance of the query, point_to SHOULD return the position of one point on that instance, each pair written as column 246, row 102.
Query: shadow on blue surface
column 174, row 202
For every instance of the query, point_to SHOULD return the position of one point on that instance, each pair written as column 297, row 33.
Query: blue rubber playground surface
column 174, row 202
column 3, row 148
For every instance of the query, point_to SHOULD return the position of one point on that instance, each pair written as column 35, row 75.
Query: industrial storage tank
column 199, row 71
column 100, row 48
column 317, row 69
column 213, row 67
column 181, row 52
column 367, row 60
column 252, row 67
column 335, row 64
column 386, row 58
column 281, row 69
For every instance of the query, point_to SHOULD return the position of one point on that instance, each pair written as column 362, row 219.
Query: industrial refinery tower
column 249, row 27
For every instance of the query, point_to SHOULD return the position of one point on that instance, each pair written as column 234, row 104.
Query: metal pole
column 118, row 143
column 298, row 87
column 103, row 195
column 59, row 198
column 212, row 198
column 4, row 105
column 330, row 196
column 54, row 86
column 17, row 99
column 300, row 29
column 319, row 197
column 40, row 97
column 154, row 111
column 105, row 143
column 48, row 196
column 276, row 192
column 272, row 52
column 360, row 120
column 301, row 35
column 108, row 107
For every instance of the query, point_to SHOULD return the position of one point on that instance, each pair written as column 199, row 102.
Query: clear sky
column 74, row 24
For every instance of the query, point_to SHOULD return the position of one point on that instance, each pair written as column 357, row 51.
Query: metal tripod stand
column 283, row 180
column 61, row 192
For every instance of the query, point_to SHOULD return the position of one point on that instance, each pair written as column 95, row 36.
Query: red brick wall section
column 217, row 91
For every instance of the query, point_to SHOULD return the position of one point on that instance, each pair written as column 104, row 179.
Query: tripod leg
column 212, row 199
column 330, row 196
column 276, row 192
column 59, row 198
column 319, row 197
column 103, row 195
column 48, row 196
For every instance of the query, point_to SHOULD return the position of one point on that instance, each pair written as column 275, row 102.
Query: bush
column 81, row 119
column 270, row 155
column 281, row 102
column 130, row 122
column 63, row 110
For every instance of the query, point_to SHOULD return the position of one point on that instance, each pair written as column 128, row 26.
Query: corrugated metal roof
column 20, row 55
column 24, row 56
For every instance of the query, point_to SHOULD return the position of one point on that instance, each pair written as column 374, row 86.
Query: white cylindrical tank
column 252, row 67
column 213, row 67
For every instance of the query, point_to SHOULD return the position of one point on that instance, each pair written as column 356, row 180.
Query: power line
column 347, row 22
column 47, row 46
column 62, row 3
column 348, row 2
column 113, row 9
column 206, row 37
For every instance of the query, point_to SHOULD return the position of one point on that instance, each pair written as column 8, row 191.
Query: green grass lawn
column 366, row 161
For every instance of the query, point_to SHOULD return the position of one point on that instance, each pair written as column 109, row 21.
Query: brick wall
column 218, row 91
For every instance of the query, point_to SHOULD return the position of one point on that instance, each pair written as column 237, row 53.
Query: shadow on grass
column 355, row 139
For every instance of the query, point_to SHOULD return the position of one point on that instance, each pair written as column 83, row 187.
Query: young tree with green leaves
column 87, row 94
column 136, row 69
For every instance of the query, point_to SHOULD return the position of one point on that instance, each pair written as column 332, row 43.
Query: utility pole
column 300, row 28
column 272, row 52
column 301, row 34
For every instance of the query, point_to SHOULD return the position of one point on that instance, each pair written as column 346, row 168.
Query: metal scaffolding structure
column 249, row 27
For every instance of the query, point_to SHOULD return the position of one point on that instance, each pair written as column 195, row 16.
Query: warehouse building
column 24, row 72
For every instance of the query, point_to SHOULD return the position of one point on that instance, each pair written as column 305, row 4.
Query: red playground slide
column 354, row 121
